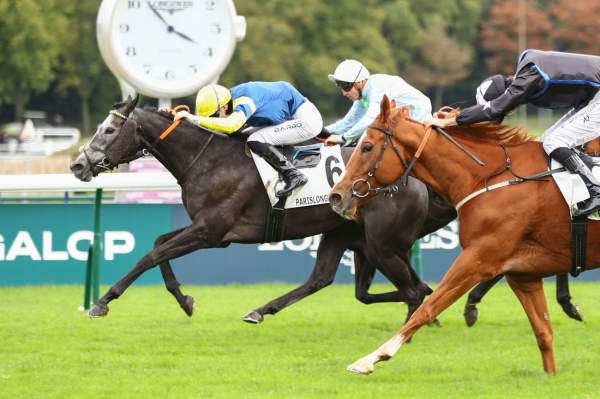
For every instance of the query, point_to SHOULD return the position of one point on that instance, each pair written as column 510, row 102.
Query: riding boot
column 591, row 204
column 290, row 175
column 576, row 165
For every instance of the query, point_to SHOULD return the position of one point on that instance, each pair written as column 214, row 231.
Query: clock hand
column 184, row 36
column 170, row 28
column 155, row 11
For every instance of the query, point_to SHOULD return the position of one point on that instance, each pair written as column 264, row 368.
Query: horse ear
column 384, row 109
column 130, row 104
column 405, row 112
column 393, row 104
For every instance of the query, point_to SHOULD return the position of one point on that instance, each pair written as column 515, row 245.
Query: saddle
column 306, row 156
column 574, row 191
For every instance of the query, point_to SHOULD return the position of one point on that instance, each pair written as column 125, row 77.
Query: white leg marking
column 366, row 365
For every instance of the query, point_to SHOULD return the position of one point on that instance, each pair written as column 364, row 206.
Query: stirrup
column 581, row 212
column 289, row 187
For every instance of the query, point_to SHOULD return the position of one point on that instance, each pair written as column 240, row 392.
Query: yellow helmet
column 210, row 98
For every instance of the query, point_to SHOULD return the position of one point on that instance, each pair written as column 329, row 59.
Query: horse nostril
column 335, row 198
column 76, row 167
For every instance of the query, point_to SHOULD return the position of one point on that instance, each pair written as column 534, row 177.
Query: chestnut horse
column 521, row 230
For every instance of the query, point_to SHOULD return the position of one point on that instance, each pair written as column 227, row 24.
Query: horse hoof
column 98, row 311
column 253, row 317
column 189, row 305
column 573, row 312
column 471, row 314
column 435, row 323
column 360, row 368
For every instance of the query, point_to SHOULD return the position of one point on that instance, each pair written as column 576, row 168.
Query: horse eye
column 109, row 130
column 367, row 147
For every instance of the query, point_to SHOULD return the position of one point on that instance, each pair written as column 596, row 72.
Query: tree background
column 49, row 58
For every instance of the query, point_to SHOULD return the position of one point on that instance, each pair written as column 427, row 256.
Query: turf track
column 148, row 348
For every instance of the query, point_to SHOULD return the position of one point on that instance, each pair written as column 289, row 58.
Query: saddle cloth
column 323, row 166
column 572, row 186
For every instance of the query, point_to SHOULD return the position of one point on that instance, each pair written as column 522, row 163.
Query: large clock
column 168, row 48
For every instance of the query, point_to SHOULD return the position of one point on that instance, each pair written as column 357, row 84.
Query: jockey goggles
column 345, row 86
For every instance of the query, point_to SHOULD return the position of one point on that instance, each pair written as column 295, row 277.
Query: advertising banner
column 47, row 244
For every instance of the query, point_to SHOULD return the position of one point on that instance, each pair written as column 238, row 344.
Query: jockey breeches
column 576, row 127
column 305, row 125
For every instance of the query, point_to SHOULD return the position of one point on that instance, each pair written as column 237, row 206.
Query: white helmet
column 349, row 71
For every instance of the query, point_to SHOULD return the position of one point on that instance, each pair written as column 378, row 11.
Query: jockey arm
column 368, row 117
column 243, row 108
column 526, row 83
column 353, row 115
column 374, row 105
column 229, row 124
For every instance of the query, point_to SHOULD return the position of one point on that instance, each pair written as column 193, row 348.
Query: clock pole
column 126, row 90
column 164, row 102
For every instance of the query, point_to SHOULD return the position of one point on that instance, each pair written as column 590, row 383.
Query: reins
column 169, row 130
column 151, row 147
column 388, row 132
column 176, row 123
column 459, row 145
column 517, row 179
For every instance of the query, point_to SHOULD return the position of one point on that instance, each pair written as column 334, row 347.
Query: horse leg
column 459, row 279
column 531, row 295
column 330, row 251
column 184, row 242
column 471, row 314
column 397, row 269
column 364, row 273
column 185, row 301
column 563, row 297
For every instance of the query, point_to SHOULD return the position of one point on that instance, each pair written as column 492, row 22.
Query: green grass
column 148, row 348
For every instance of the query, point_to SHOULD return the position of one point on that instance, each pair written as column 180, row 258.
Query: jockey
column 284, row 115
column 366, row 91
column 548, row 79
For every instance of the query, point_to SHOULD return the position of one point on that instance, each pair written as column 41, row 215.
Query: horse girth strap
column 578, row 244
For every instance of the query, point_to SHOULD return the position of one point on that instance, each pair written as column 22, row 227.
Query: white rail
column 106, row 181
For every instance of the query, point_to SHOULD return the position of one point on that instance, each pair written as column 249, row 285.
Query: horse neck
column 181, row 148
column 445, row 167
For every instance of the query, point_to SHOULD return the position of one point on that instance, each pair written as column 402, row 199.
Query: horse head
column 365, row 174
column 113, row 143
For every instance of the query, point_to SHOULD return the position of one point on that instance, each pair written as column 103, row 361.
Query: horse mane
column 484, row 131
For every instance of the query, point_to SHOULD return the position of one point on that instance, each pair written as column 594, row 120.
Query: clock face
column 171, row 46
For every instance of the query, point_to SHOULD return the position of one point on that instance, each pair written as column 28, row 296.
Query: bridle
column 148, row 147
column 388, row 132
column 385, row 190
column 105, row 164
column 151, row 146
